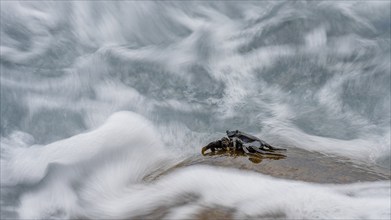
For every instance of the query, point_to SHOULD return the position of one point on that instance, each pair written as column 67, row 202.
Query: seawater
column 97, row 95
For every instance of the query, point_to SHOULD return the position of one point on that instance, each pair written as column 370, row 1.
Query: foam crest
column 110, row 165
column 246, row 195
column 105, row 161
column 123, row 131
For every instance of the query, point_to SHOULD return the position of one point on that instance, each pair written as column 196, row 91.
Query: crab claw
column 212, row 147
column 205, row 149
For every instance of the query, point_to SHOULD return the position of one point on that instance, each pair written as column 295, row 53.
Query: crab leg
column 267, row 153
column 262, row 150
column 270, row 148
column 259, row 150
column 274, row 148
column 245, row 149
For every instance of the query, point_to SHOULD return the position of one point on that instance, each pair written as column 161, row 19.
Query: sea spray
column 309, row 75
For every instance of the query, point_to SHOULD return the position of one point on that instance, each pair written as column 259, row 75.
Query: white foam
column 123, row 131
column 100, row 174
column 101, row 162
column 247, row 194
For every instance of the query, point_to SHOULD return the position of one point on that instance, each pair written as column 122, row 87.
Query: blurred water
column 312, row 75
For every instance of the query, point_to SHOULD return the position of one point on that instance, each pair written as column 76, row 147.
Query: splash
column 102, row 174
column 309, row 75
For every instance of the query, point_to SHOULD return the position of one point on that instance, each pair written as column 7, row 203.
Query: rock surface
column 297, row 165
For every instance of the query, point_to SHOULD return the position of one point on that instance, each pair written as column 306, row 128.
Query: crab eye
column 237, row 131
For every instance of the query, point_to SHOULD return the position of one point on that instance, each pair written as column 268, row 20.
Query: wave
column 104, row 174
column 309, row 75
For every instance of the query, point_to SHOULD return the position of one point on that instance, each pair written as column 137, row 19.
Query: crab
column 240, row 142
